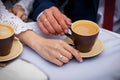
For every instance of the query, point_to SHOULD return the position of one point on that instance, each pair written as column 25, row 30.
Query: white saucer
column 15, row 51
column 97, row 48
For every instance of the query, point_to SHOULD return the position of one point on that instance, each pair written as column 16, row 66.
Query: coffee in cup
column 6, row 38
column 84, row 34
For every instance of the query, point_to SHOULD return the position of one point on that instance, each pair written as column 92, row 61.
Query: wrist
column 30, row 38
column 27, row 37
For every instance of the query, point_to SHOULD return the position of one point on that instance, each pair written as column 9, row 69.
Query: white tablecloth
column 106, row 66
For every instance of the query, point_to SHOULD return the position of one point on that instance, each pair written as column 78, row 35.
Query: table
column 105, row 66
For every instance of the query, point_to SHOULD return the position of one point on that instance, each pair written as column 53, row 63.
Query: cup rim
column 4, row 24
column 98, row 29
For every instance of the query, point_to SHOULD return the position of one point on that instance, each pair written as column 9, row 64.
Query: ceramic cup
column 84, row 34
column 6, row 38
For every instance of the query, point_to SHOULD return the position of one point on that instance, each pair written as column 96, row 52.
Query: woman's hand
column 19, row 11
column 55, row 51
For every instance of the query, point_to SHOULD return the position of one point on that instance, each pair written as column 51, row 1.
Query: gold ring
column 60, row 56
column 45, row 20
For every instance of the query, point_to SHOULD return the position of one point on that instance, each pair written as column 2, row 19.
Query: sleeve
column 27, row 5
column 41, row 5
column 9, row 18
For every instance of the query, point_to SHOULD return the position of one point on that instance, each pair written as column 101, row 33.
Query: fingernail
column 70, row 24
column 66, row 31
column 50, row 34
column 62, row 34
column 81, row 60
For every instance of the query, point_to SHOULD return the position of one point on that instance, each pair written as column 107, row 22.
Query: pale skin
column 19, row 11
column 47, row 51
column 53, row 22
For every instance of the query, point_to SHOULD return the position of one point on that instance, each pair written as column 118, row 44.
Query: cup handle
column 69, row 35
column 15, row 38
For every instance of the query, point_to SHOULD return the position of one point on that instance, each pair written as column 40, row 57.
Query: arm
column 49, row 52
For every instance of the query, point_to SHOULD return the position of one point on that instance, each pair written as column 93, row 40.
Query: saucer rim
column 18, row 51
column 101, row 48
column 89, row 54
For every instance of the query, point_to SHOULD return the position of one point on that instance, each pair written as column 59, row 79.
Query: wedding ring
column 60, row 56
column 45, row 20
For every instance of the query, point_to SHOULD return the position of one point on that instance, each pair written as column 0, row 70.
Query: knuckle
column 53, row 7
column 60, row 42
column 46, row 11
column 70, row 56
column 52, row 59
column 52, row 21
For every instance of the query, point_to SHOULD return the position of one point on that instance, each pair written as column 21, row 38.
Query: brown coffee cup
column 6, row 38
column 84, row 34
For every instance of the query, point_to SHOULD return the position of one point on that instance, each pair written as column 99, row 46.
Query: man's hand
column 53, row 22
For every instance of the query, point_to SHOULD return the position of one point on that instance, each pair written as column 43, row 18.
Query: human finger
column 60, row 19
column 62, row 58
column 55, row 61
column 57, row 53
column 20, row 14
column 41, row 26
column 67, row 20
column 63, row 50
column 49, row 55
column 55, row 57
column 53, row 21
column 24, row 17
column 46, row 24
column 74, row 52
